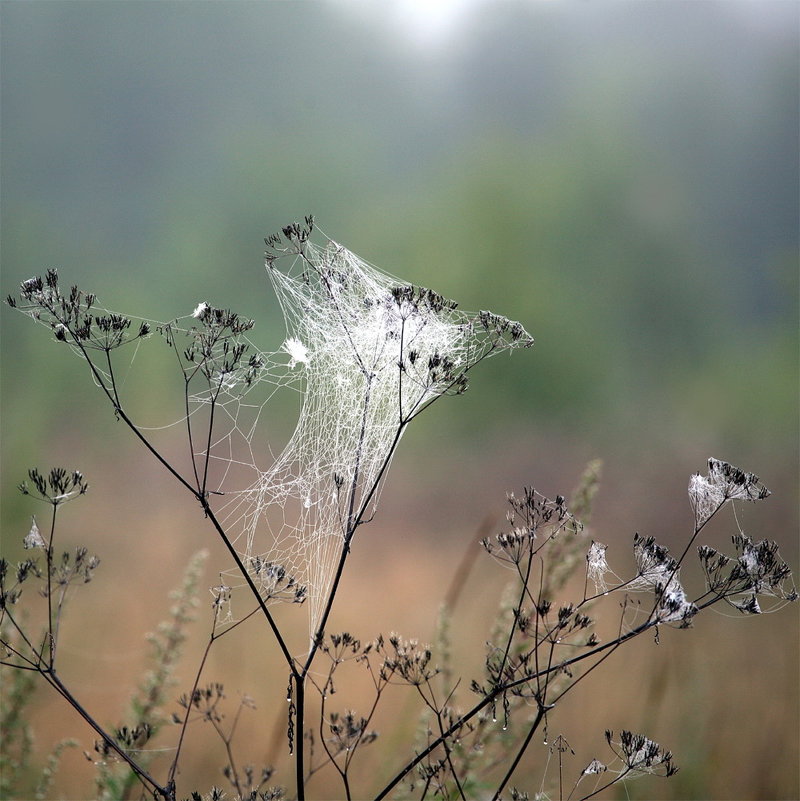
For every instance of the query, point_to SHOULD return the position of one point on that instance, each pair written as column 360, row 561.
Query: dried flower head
column 275, row 582
column 348, row 731
column 639, row 754
column 658, row 572
column 530, row 516
column 58, row 487
column 405, row 659
column 724, row 482
column 72, row 315
column 79, row 566
column 756, row 570
column 340, row 647
column 10, row 593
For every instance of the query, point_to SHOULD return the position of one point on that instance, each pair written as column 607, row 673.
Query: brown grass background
column 722, row 696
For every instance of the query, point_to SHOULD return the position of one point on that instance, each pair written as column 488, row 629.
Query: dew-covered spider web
column 373, row 353
column 368, row 353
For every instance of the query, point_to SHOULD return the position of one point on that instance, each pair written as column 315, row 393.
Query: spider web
column 367, row 352
column 373, row 353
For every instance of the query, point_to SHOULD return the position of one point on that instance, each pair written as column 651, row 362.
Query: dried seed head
column 724, row 482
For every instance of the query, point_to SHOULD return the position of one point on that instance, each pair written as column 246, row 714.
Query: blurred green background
column 620, row 177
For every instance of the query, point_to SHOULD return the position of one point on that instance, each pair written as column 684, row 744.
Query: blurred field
column 723, row 695
column 621, row 178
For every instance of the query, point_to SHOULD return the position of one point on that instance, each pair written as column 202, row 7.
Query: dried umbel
column 755, row 571
column 639, row 754
column 535, row 521
column 659, row 572
column 57, row 487
column 73, row 315
column 724, row 482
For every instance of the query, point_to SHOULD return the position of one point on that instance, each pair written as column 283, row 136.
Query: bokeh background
column 620, row 177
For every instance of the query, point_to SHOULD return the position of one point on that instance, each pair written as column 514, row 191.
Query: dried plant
column 370, row 354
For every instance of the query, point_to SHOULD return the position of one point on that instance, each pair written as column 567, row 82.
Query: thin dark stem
column 520, row 752
column 35, row 665
column 368, row 719
column 607, row 784
column 120, row 412
column 32, row 667
column 524, row 578
column 174, row 766
column 357, row 468
column 299, row 714
column 401, row 369
column 208, row 440
column 353, row 522
column 52, row 645
column 331, row 757
column 57, row 627
column 145, row 777
column 448, row 754
column 189, row 433
column 346, row 547
column 227, row 740
column 494, row 694
column 482, row 704
column 251, row 584
column 111, row 378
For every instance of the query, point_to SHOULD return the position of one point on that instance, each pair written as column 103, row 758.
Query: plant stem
column 520, row 752
column 145, row 777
